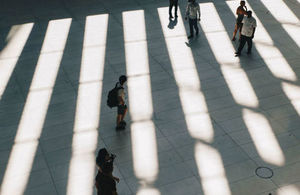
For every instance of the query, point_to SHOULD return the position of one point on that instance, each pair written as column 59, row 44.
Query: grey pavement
column 200, row 120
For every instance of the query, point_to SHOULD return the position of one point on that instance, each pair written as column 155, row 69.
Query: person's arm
column 199, row 13
column 253, row 33
column 120, row 96
column 240, row 10
column 187, row 11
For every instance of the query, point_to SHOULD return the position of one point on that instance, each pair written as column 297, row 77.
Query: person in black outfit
column 105, row 184
column 175, row 4
column 103, row 157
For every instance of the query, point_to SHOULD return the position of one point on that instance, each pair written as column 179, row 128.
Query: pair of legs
column 122, row 110
column 193, row 25
column 237, row 27
column 243, row 41
column 173, row 4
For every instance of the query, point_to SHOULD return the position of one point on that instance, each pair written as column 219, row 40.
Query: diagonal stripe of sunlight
column 35, row 109
column 286, row 17
column 144, row 147
column 194, row 107
column 16, row 38
column 85, row 136
column 277, row 156
column 265, row 46
column 219, row 41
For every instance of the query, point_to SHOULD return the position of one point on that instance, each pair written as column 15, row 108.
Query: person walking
column 105, row 183
column 247, row 34
column 193, row 14
column 240, row 12
column 122, row 108
column 104, row 157
column 173, row 3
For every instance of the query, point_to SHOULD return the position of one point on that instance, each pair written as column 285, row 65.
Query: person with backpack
column 116, row 98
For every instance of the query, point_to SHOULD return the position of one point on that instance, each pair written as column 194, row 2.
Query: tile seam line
column 48, row 168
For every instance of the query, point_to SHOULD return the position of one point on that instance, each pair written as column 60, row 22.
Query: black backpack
column 112, row 97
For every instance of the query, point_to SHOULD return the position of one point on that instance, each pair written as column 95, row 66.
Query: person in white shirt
column 193, row 13
column 247, row 33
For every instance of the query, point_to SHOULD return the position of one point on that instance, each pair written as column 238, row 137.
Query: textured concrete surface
column 200, row 120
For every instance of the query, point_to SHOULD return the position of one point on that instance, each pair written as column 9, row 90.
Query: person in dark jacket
column 105, row 183
column 104, row 157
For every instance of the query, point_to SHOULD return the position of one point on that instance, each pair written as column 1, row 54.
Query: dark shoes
column 176, row 16
column 237, row 54
column 249, row 52
column 191, row 36
column 197, row 33
column 170, row 16
column 233, row 39
column 121, row 126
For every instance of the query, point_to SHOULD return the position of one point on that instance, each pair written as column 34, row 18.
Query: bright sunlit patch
column 223, row 50
column 293, row 30
column 212, row 23
column 288, row 190
column 34, row 112
column 199, row 128
column 148, row 191
column 211, row 170
column 187, row 79
column 265, row 46
column 144, row 150
column 85, row 137
column 281, row 12
column 293, row 93
column 144, row 147
column 263, row 138
column 16, row 38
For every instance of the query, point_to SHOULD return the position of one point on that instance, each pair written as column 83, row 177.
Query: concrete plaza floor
column 200, row 120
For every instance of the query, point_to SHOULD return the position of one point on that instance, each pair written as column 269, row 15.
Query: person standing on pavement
column 240, row 12
column 122, row 108
column 173, row 3
column 247, row 34
column 193, row 14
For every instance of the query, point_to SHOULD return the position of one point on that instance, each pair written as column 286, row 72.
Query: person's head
column 102, row 156
column 249, row 14
column 108, row 168
column 242, row 3
column 192, row 1
column 122, row 79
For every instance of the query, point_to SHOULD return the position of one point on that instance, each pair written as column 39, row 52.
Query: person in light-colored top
column 247, row 33
column 193, row 13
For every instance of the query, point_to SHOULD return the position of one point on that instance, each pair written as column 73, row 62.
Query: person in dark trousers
column 240, row 12
column 173, row 3
column 122, row 108
column 104, row 157
column 248, row 30
column 193, row 13
column 105, row 184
